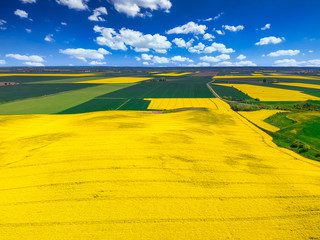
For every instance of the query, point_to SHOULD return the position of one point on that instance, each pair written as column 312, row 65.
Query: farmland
column 156, row 154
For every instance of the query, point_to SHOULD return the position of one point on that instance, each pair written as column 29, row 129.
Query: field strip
column 172, row 74
column 303, row 85
column 270, row 93
column 176, row 103
column 50, row 74
column 58, row 102
column 68, row 80
column 278, row 76
column 257, row 118
column 117, row 80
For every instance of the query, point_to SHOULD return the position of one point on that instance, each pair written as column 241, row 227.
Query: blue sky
column 159, row 33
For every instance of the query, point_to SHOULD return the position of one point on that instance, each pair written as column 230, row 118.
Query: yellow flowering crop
column 257, row 118
column 117, row 80
column 265, row 76
column 270, row 93
column 174, row 103
column 304, row 85
column 172, row 74
column 50, row 74
column 137, row 175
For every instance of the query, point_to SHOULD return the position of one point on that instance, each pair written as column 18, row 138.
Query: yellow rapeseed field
column 117, row 80
column 304, row 85
column 266, row 76
column 137, row 175
column 174, row 103
column 172, row 74
column 257, row 118
column 270, row 93
column 50, row 74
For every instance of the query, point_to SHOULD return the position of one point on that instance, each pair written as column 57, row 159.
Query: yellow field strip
column 116, row 80
column 172, row 74
column 258, row 117
column 137, row 175
column 264, row 76
column 50, row 74
column 304, row 85
column 270, row 93
column 175, row 103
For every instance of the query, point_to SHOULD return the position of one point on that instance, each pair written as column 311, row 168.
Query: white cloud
column 34, row 64
column 146, row 57
column 310, row 51
column 22, row 14
column 132, row 8
column 95, row 63
column 218, row 47
column 137, row 58
column 201, row 64
column 181, row 43
column 241, row 57
column 32, row 58
column 197, row 48
column 127, row 37
column 97, row 13
column 2, row 23
column 218, row 16
column 219, row 32
column 237, row 64
column 28, row 30
column 84, row 54
column 181, row 59
column 233, row 28
column 288, row 62
column 208, row 36
column 314, row 63
column 28, row 1
column 208, row 20
column 49, row 38
column 74, row 4
column 244, row 63
column 64, row 23
column 284, row 53
column 267, row 26
column 2, row 61
column 190, row 27
column 145, row 63
column 269, row 40
column 219, row 58
column 160, row 60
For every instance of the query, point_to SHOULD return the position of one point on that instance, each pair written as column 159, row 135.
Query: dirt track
column 130, row 175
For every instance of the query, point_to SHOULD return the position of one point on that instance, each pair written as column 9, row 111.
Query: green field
column 232, row 92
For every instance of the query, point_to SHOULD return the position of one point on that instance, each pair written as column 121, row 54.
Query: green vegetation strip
column 58, row 102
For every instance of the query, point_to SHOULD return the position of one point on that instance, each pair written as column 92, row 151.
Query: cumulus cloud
column 237, row 64
column 32, row 58
column 132, row 8
column 190, row 27
column 284, row 53
column 2, row 23
column 146, row 57
column 310, row 51
column 313, row 63
column 84, row 54
column 218, row 16
column 218, row 47
column 28, row 1
column 219, row 32
column 208, row 36
column 267, row 26
column 22, row 14
column 34, row 64
column 181, row 59
column 97, row 13
column 28, row 30
column 208, row 20
column 49, row 38
column 241, row 57
column 2, row 61
column 197, row 48
column 160, row 60
column 182, row 44
column 64, row 23
column 233, row 28
column 219, row 58
column 201, row 64
column 95, row 63
column 270, row 40
column 135, row 39
column 288, row 62
column 74, row 4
